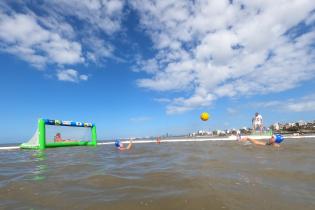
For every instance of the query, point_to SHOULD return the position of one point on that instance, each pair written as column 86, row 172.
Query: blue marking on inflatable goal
column 67, row 123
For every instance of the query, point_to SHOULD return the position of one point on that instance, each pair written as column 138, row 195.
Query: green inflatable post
column 42, row 134
column 42, row 144
column 94, row 138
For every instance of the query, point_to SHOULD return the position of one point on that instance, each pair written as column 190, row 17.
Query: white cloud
column 162, row 100
column 23, row 36
column 104, row 15
column 231, row 110
column 207, row 49
column 98, row 49
column 99, row 20
column 71, row 75
column 215, row 49
column 150, row 66
column 83, row 77
column 201, row 98
column 302, row 104
column 61, row 32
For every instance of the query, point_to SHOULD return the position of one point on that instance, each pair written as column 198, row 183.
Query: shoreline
column 184, row 139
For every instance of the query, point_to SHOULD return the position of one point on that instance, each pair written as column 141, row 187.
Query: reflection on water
column 204, row 175
column 40, row 167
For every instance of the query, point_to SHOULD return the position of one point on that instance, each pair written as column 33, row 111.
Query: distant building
column 288, row 127
column 201, row 132
column 219, row 132
column 193, row 134
column 276, row 126
column 302, row 123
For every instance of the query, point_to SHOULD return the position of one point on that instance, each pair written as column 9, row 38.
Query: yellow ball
column 204, row 116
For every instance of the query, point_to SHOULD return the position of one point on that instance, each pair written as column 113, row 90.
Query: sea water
column 182, row 175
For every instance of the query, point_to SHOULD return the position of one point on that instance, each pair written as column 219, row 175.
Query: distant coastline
column 292, row 128
column 299, row 128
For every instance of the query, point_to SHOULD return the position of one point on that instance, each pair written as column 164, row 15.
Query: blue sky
column 147, row 68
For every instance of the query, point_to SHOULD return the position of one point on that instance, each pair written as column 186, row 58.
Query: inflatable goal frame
column 39, row 139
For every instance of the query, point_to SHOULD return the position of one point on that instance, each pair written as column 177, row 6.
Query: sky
column 146, row 68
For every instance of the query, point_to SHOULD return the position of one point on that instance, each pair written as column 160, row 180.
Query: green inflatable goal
column 61, row 133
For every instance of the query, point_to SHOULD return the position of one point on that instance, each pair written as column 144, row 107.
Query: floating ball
column 204, row 116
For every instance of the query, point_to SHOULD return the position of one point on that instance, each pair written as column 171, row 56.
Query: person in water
column 119, row 145
column 257, row 122
column 275, row 140
column 58, row 138
column 158, row 140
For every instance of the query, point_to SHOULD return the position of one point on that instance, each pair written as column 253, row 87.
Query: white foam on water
column 9, row 148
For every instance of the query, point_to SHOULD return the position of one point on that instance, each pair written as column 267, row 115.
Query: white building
column 276, row 126
column 301, row 123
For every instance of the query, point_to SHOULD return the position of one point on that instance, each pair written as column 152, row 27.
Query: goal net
column 33, row 142
column 57, row 133
column 67, row 134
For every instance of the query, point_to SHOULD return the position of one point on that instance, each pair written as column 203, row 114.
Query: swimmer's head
column 277, row 138
column 118, row 143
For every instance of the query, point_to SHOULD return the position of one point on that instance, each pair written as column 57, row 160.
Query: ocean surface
column 185, row 175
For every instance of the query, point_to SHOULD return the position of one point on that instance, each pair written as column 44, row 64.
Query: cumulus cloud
column 99, row 20
column 22, row 35
column 98, row 49
column 302, row 104
column 71, row 75
column 149, row 66
column 206, row 49
column 104, row 15
column 215, row 49
column 61, row 32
